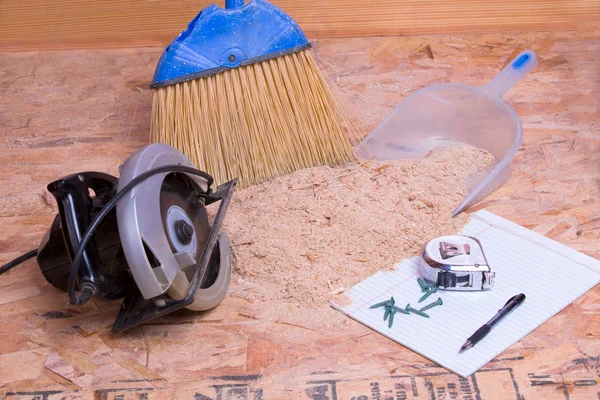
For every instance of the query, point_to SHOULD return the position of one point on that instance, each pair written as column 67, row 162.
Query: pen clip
column 509, row 300
column 519, row 298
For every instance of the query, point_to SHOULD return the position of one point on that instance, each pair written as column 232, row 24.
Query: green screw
column 432, row 290
column 424, row 287
column 439, row 302
column 418, row 312
column 388, row 311
column 384, row 303
column 391, row 312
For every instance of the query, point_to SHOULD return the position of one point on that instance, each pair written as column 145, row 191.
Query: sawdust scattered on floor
column 303, row 239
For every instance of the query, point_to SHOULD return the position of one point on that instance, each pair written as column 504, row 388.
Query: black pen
column 510, row 305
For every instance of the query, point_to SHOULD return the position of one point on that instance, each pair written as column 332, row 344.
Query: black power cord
column 18, row 261
column 86, row 292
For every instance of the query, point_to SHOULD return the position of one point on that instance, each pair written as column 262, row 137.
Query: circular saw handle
column 75, row 206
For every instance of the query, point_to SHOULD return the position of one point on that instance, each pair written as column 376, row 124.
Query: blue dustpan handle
column 233, row 4
column 512, row 74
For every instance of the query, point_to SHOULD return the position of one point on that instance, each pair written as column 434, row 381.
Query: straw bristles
column 256, row 122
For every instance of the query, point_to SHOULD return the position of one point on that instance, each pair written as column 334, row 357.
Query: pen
column 510, row 305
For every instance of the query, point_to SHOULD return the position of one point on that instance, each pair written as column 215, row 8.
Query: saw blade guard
column 212, row 292
column 164, row 228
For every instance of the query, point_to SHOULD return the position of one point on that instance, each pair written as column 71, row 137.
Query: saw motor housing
column 158, row 249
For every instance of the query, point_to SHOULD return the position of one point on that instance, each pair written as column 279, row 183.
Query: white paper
column 550, row 274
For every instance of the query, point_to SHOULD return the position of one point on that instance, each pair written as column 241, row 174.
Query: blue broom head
column 223, row 38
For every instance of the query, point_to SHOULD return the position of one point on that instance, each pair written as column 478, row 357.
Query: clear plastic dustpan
column 442, row 115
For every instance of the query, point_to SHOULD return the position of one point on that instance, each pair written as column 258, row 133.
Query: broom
column 239, row 92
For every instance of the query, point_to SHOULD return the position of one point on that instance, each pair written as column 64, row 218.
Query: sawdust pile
column 303, row 239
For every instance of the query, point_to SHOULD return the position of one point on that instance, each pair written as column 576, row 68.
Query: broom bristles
column 256, row 122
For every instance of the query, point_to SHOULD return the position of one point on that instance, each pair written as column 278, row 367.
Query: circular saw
column 146, row 236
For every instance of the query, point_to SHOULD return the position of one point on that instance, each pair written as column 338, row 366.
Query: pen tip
column 465, row 346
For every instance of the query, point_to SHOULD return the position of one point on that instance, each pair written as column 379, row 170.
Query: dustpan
column 445, row 115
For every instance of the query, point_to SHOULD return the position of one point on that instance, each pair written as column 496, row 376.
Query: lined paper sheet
column 550, row 274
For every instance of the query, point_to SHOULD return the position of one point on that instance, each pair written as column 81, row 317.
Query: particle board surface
column 63, row 24
column 68, row 111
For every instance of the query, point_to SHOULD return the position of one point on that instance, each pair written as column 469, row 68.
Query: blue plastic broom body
column 219, row 39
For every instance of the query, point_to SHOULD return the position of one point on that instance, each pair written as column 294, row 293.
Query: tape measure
column 456, row 263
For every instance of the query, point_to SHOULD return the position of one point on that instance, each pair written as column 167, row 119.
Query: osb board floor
column 65, row 112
